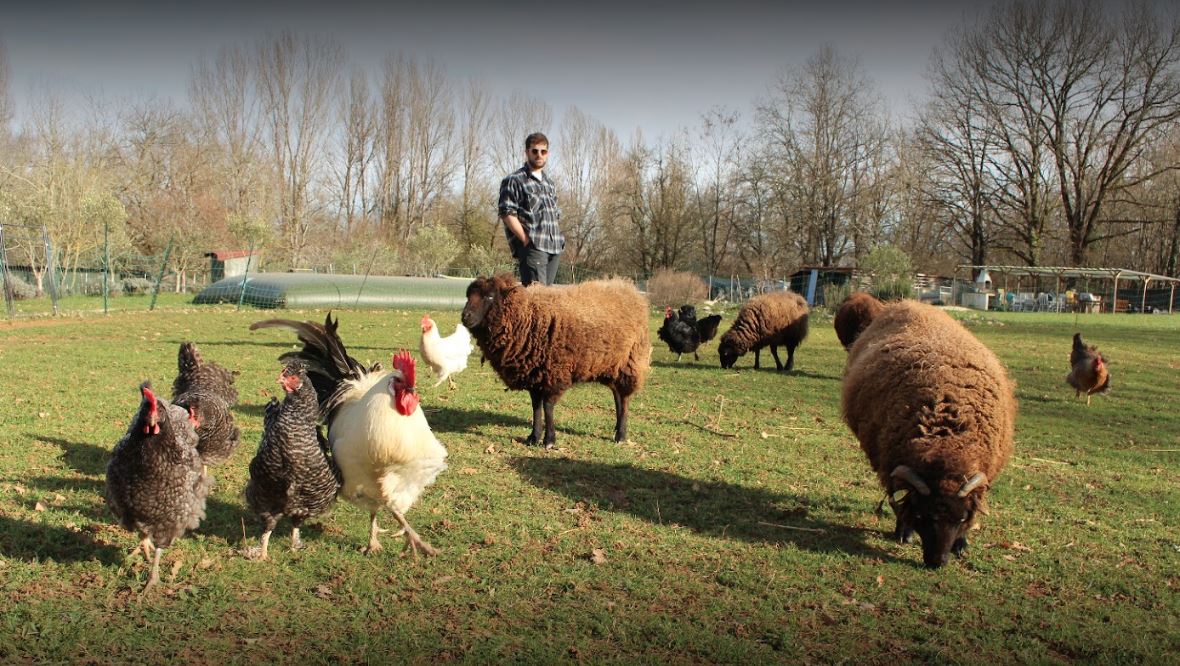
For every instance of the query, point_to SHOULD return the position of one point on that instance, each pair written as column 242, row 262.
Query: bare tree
column 357, row 114
column 297, row 78
column 958, row 144
column 816, row 125
column 226, row 112
column 417, row 120
column 1087, row 89
column 723, row 148
column 587, row 153
column 476, row 199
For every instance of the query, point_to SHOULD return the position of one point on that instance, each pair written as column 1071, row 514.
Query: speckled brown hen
column 156, row 485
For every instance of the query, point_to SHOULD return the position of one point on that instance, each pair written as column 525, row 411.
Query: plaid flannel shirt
column 534, row 202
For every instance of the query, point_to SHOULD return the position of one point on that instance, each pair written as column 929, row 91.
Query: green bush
column 430, row 250
column 892, row 272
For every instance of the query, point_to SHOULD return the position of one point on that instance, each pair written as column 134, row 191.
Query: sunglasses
column 539, row 151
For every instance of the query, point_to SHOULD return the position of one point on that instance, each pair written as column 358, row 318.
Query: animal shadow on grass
column 714, row 508
column 812, row 375
column 252, row 411
column 222, row 519
column 33, row 542
column 82, row 457
column 689, row 364
column 452, row 420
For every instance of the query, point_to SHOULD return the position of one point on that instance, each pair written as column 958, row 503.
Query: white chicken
column 380, row 439
column 446, row 356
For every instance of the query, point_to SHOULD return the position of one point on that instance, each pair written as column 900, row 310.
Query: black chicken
column 156, row 485
column 681, row 337
column 706, row 328
column 207, row 391
column 291, row 475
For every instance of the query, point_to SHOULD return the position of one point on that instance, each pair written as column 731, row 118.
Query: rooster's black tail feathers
column 327, row 361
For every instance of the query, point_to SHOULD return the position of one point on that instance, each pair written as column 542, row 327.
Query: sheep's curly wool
column 922, row 391
column 554, row 337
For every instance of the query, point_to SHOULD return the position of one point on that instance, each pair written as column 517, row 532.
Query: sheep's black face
column 940, row 521
column 729, row 355
column 481, row 296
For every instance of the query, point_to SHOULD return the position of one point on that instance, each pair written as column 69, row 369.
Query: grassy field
column 737, row 526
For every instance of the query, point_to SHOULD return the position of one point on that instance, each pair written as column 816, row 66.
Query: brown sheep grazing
column 546, row 339
column 934, row 411
column 777, row 319
column 855, row 314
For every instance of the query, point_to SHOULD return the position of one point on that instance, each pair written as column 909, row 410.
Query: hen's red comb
column 425, row 318
column 667, row 311
column 404, row 363
column 153, row 425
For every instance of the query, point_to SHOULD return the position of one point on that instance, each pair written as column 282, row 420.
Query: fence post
column 50, row 269
column 160, row 275
column 4, row 276
column 245, row 274
column 106, row 267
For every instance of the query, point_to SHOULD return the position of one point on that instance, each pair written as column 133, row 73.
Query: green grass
column 85, row 306
column 760, row 546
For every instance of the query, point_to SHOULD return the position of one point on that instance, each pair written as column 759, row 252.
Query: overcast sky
column 650, row 66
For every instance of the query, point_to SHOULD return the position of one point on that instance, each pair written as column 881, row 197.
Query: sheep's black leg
column 790, row 357
column 620, row 415
column 959, row 546
column 757, row 359
column 778, row 364
column 535, row 436
column 550, row 429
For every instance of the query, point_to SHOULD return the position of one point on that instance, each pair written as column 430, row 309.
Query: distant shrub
column 892, row 272
column 430, row 250
column 675, row 288
column 483, row 260
column 134, row 286
column 21, row 290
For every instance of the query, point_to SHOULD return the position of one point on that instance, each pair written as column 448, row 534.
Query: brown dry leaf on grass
column 597, row 556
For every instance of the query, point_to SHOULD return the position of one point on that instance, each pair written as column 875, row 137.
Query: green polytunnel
column 322, row 290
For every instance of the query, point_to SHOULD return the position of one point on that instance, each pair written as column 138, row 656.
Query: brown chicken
column 1088, row 373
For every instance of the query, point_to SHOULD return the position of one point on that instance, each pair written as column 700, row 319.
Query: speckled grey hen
column 207, row 391
column 292, row 474
column 197, row 373
column 156, row 485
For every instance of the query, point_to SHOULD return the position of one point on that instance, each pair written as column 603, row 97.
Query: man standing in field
column 528, row 207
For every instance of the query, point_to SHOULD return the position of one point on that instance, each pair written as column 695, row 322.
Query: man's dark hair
column 535, row 138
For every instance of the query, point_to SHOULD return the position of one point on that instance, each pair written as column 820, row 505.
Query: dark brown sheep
column 777, row 319
column 855, row 314
column 934, row 411
column 546, row 339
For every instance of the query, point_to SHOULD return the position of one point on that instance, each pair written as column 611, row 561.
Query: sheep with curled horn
column 934, row 411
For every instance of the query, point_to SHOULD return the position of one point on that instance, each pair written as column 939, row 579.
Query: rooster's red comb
column 404, row 363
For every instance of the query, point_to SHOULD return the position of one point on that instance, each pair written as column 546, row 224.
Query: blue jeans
column 537, row 266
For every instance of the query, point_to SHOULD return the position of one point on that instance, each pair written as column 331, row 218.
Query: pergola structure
column 1064, row 272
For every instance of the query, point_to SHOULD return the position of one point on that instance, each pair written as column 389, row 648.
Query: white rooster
column 446, row 356
column 380, row 439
